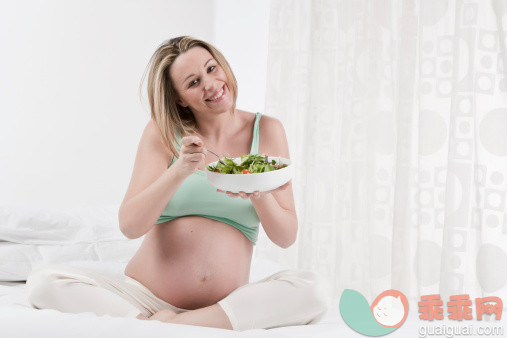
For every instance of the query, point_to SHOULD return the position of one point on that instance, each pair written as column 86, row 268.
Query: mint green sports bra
column 197, row 197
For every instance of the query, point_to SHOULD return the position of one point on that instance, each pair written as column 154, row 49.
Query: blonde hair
column 161, row 92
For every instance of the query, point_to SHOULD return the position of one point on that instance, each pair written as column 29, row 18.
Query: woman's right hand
column 192, row 155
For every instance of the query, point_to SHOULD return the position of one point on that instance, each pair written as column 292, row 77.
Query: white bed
column 89, row 238
column 19, row 319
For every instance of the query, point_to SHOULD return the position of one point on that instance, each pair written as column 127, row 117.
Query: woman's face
column 200, row 82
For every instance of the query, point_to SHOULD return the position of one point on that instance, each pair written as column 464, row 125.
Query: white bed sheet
column 19, row 319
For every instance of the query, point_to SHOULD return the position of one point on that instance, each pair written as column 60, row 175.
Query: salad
column 250, row 164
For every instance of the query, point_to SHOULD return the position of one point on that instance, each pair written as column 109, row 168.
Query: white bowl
column 251, row 182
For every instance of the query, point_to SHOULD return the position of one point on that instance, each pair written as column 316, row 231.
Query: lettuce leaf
column 254, row 163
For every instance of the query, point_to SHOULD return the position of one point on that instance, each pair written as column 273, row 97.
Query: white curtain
column 396, row 115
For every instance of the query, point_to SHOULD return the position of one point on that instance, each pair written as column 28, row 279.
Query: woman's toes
column 142, row 317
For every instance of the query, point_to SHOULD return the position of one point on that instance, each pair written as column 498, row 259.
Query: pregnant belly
column 192, row 262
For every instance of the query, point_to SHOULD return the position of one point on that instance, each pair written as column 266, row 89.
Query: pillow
column 110, row 258
column 52, row 226
column 18, row 260
column 87, row 237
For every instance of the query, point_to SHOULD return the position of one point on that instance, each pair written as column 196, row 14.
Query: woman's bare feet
column 210, row 316
column 165, row 315
column 142, row 317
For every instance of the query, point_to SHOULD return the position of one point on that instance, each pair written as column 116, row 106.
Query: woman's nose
column 208, row 84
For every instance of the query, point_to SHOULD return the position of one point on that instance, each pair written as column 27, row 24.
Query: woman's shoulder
column 272, row 137
column 266, row 122
column 153, row 135
column 245, row 116
column 271, row 128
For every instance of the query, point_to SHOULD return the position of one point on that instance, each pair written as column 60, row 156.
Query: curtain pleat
column 396, row 117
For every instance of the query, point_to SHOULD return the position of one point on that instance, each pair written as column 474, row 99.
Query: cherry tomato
column 245, row 171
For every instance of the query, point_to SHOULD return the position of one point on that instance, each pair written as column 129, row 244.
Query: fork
column 219, row 160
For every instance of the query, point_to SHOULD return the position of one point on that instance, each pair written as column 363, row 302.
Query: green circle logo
column 386, row 314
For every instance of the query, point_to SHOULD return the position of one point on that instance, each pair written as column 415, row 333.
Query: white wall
column 241, row 34
column 71, row 116
column 70, row 113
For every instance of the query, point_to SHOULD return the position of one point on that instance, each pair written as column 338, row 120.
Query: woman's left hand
column 256, row 194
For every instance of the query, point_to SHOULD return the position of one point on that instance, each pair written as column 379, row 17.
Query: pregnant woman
column 194, row 262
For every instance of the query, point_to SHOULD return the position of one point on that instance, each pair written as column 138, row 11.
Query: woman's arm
column 151, row 187
column 138, row 214
column 280, row 224
column 276, row 210
column 268, row 210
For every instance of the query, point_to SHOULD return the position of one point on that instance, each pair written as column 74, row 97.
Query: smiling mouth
column 218, row 97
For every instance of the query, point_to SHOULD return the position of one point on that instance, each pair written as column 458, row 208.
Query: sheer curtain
column 396, row 115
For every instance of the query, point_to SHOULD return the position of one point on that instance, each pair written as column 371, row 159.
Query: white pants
column 289, row 297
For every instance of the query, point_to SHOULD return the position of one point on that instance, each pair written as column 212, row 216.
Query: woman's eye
column 210, row 69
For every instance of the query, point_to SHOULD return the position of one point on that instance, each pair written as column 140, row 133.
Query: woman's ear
column 181, row 102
